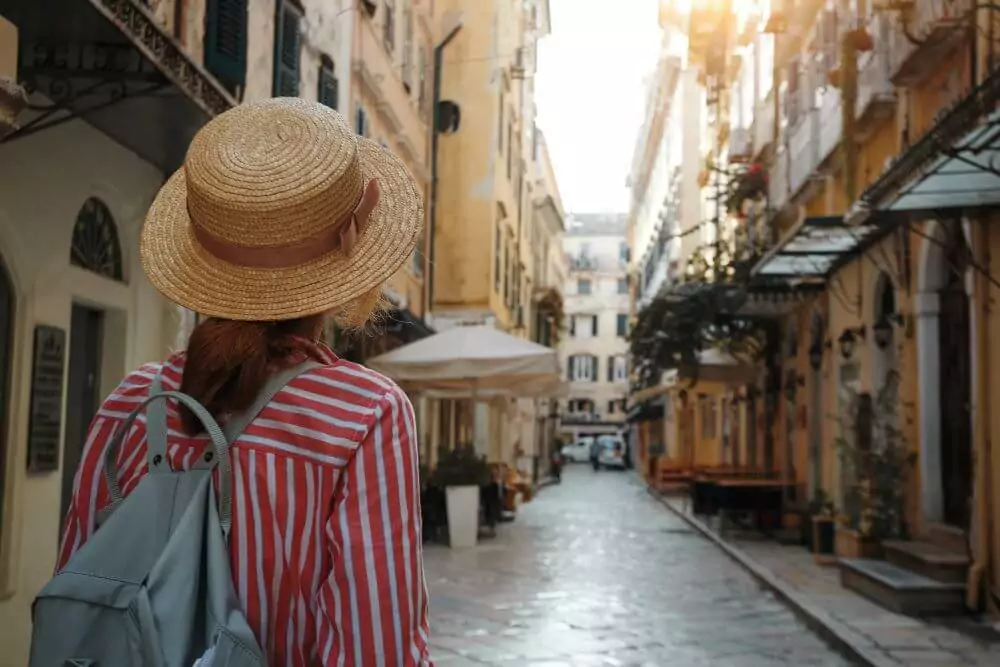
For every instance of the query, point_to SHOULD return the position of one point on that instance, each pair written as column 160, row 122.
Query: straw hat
column 280, row 211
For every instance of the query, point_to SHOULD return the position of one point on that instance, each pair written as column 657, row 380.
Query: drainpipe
column 435, row 119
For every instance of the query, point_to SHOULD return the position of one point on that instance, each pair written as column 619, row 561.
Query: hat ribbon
column 342, row 236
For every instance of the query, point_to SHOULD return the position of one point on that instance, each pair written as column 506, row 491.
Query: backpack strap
column 221, row 437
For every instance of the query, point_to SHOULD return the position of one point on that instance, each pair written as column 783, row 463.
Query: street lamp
column 816, row 354
column 848, row 340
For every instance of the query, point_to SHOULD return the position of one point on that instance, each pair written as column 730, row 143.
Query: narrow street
column 596, row 572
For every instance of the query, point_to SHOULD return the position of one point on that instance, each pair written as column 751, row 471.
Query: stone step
column 947, row 537
column 928, row 559
column 901, row 590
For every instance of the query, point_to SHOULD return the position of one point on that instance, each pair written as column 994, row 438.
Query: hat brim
column 187, row 274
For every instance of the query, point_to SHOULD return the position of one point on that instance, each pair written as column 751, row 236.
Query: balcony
column 831, row 123
column 876, row 94
column 380, row 79
column 763, row 125
column 940, row 27
column 803, row 151
column 777, row 194
column 581, row 263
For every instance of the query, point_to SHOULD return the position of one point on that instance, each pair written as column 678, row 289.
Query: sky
column 590, row 94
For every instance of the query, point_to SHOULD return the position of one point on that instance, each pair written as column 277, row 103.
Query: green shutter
column 328, row 88
column 287, row 50
column 226, row 41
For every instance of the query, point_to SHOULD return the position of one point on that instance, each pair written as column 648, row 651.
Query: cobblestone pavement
column 595, row 572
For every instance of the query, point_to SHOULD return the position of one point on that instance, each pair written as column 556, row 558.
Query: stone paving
column 595, row 571
column 884, row 637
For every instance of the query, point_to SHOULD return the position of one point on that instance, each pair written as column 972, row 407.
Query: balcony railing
column 582, row 263
column 763, row 125
column 876, row 94
column 804, row 151
column 831, row 123
column 778, row 181
column 940, row 27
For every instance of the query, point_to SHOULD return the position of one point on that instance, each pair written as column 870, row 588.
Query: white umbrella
column 477, row 358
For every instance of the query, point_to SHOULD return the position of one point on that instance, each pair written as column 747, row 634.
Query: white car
column 612, row 451
column 579, row 451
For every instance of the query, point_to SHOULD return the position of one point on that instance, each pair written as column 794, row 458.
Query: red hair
column 228, row 361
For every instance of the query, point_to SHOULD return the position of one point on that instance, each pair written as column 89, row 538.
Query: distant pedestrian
column 595, row 454
column 280, row 218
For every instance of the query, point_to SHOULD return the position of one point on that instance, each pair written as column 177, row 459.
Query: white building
column 594, row 348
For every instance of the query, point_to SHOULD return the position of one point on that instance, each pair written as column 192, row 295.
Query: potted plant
column 878, row 461
column 461, row 472
column 819, row 514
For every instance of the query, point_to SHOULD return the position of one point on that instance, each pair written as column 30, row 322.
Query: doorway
column 956, row 382
column 83, row 391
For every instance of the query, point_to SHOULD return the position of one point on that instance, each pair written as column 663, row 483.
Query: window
column 328, row 92
column 500, row 125
column 497, row 251
column 287, row 49
column 617, row 368
column 583, row 286
column 406, row 61
column 623, row 252
column 623, row 285
column 578, row 406
column 583, row 326
column 94, row 245
column 615, row 406
column 389, row 26
column 226, row 41
column 360, row 120
column 582, row 368
column 622, row 325
column 709, row 416
column 510, row 150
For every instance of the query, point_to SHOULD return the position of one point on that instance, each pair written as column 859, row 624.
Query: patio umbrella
column 478, row 359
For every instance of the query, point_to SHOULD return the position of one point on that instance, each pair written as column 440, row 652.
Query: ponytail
column 228, row 362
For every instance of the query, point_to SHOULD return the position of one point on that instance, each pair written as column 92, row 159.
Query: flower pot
column 852, row 544
column 462, row 503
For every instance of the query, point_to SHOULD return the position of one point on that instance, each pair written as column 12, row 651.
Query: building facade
column 76, row 313
column 845, row 145
column 491, row 181
column 593, row 350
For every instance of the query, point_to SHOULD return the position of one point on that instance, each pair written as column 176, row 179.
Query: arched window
column 95, row 244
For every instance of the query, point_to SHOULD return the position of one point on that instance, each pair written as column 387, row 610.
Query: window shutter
column 594, row 325
column 361, row 122
column 611, row 368
column 287, row 51
column 569, row 367
column 226, row 41
column 328, row 92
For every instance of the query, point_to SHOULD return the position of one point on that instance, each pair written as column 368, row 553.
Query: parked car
column 612, row 452
column 579, row 450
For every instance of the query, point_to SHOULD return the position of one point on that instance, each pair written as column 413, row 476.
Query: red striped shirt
column 326, row 544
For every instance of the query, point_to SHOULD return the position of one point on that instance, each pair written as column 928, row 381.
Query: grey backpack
column 152, row 587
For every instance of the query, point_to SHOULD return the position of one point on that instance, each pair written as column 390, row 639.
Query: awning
column 947, row 168
column 967, row 177
column 813, row 249
column 646, row 411
column 111, row 64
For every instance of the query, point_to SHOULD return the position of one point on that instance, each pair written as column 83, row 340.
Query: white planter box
column 463, row 516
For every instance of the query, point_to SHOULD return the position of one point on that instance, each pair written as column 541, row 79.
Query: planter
column 462, row 504
column 851, row 544
column 822, row 541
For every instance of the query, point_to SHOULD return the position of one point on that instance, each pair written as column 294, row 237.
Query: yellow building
column 491, row 177
column 856, row 159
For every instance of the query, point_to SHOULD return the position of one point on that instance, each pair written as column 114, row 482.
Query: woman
column 280, row 219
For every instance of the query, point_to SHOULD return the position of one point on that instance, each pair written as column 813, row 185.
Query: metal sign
column 45, row 422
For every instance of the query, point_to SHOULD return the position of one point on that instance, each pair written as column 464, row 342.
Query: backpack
column 152, row 587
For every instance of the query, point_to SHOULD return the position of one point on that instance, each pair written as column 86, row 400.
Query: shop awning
column 966, row 176
column 111, row 64
column 813, row 249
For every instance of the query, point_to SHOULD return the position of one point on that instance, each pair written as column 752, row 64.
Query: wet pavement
column 596, row 572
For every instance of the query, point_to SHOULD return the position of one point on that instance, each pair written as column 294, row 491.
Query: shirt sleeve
column 373, row 605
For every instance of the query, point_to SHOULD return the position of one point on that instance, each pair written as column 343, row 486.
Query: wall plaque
column 45, row 421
